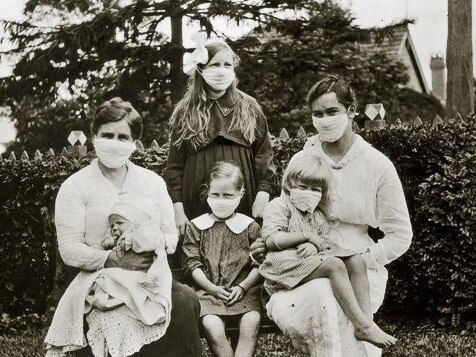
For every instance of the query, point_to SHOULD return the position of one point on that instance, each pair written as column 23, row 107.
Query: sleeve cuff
column 189, row 270
column 171, row 241
column 103, row 259
column 176, row 197
column 254, row 262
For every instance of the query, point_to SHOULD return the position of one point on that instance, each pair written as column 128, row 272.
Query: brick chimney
column 438, row 76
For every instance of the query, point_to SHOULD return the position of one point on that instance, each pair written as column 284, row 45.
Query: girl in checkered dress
column 299, row 239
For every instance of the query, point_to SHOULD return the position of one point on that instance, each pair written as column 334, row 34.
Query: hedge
column 437, row 169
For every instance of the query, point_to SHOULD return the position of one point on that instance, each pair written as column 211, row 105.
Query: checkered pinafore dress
column 284, row 269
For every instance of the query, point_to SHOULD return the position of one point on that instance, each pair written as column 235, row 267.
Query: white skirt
column 311, row 316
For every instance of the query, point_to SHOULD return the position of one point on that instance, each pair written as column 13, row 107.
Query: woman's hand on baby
column 305, row 250
column 258, row 250
column 181, row 219
column 236, row 294
column 219, row 292
column 129, row 260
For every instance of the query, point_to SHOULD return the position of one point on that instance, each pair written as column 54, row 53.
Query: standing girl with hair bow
column 215, row 121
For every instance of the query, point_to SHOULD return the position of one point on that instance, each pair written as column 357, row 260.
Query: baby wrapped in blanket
column 141, row 295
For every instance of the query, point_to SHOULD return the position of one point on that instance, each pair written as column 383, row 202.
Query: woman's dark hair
column 114, row 110
column 332, row 83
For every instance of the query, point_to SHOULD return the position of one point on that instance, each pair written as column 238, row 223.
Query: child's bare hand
column 236, row 294
column 320, row 243
column 306, row 250
column 220, row 293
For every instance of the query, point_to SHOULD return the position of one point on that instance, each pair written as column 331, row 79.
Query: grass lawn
column 418, row 342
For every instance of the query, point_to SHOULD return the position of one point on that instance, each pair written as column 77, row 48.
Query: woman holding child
column 363, row 189
column 132, row 204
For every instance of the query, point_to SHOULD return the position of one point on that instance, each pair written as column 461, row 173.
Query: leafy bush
column 436, row 167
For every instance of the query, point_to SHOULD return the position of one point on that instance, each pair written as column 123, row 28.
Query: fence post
column 24, row 156
column 12, row 156
column 376, row 114
column 283, row 134
column 38, row 155
column 155, row 145
column 77, row 150
column 301, row 133
column 139, row 145
column 436, row 122
column 417, row 122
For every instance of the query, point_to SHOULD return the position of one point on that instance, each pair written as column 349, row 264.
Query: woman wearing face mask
column 81, row 218
column 215, row 121
column 366, row 191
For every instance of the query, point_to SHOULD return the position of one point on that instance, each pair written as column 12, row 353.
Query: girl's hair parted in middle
column 221, row 170
column 228, row 170
column 191, row 116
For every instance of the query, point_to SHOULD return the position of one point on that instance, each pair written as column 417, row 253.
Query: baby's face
column 118, row 225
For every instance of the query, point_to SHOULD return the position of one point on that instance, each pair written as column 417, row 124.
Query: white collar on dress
column 237, row 223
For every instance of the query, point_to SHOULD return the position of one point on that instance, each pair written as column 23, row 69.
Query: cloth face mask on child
column 223, row 208
column 305, row 200
column 218, row 78
column 113, row 153
column 331, row 128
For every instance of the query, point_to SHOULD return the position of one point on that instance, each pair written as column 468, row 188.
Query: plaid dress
column 221, row 249
column 284, row 269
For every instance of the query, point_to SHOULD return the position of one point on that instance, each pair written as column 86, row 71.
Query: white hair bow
column 199, row 55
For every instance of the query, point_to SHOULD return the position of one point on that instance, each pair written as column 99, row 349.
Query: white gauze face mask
column 218, row 78
column 113, row 153
column 223, row 208
column 305, row 200
column 331, row 128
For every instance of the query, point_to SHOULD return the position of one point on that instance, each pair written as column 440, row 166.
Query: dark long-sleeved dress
column 221, row 249
column 188, row 168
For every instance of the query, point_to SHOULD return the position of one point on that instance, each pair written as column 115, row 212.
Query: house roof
column 393, row 46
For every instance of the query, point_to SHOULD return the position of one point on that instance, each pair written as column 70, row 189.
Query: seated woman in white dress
column 82, row 212
column 302, row 248
column 366, row 192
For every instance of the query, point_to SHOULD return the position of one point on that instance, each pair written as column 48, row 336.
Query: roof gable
column 393, row 45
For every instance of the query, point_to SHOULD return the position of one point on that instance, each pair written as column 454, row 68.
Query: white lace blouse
column 82, row 209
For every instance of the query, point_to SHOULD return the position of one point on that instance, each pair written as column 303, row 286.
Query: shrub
column 436, row 167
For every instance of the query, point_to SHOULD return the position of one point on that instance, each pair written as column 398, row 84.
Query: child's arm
column 240, row 290
column 202, row 282
column 284, row 240
column 192, row 263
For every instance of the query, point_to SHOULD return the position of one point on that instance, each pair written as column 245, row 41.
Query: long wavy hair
column 191, row 116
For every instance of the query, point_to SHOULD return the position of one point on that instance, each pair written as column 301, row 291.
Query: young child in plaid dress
column 216, row 259
column 299, row 239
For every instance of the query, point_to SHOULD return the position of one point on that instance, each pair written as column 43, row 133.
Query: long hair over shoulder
column 191, row 116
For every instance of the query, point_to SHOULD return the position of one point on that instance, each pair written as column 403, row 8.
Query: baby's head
column 125, row 214
column 307, row 172
column 225, row 188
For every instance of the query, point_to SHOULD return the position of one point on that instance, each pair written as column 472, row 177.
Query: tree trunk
column 459, row 59
column 177, row 77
